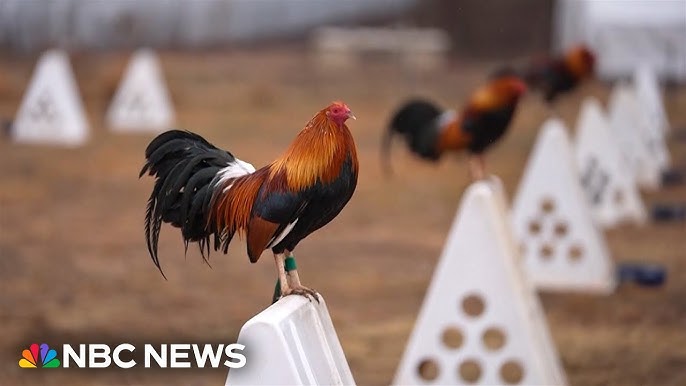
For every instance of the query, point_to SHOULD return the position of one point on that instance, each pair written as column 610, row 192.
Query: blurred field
column 74, row 267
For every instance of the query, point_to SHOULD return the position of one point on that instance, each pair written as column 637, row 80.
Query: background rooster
column 430, row 131
column 559, row 75
column 210, row 195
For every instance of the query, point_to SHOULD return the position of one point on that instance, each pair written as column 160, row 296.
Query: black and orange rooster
column 211, row 195
column 559, row 75
column 430, row 132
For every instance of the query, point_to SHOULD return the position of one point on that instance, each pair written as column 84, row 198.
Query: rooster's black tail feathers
column 415, row 120
column 184, row 166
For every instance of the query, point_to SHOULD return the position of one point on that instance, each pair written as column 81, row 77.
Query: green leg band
column 289, row 265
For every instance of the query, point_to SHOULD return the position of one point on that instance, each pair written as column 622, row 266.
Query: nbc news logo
column 162, row 356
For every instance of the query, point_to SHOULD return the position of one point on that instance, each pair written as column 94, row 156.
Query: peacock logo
column 30, row 358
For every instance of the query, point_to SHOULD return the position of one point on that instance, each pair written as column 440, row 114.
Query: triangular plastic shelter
column 649, row 93
column 607, row 180
column 51, row 111
column 643, row 148
column 481, row 322
column 142, row 102
column 562, row 247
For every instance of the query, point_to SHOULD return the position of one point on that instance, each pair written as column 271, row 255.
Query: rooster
column 431, row 131
column 556, row 76
column 211, row 195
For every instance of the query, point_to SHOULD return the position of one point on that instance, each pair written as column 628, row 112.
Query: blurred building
column 624, row 31
column 492, row 28
column 86, row 24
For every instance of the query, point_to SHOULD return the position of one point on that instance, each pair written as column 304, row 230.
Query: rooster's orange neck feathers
column 581, row 62
column 498, row 93
column 317, row 153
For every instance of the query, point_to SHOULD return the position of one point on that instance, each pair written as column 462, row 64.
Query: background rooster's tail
column 414, row 120
column 186, row 169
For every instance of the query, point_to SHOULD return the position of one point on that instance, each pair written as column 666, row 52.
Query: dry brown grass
column 74, row 268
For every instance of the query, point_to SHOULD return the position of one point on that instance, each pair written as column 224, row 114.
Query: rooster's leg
column 281, row 271
column 294, row 282
column 477, row 167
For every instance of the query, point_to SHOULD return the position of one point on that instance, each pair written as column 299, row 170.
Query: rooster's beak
column 351, row 115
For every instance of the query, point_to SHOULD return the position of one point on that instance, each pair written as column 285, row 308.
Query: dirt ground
column 74, row 267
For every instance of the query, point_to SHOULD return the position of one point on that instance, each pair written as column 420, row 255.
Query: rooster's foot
column 302, row 291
